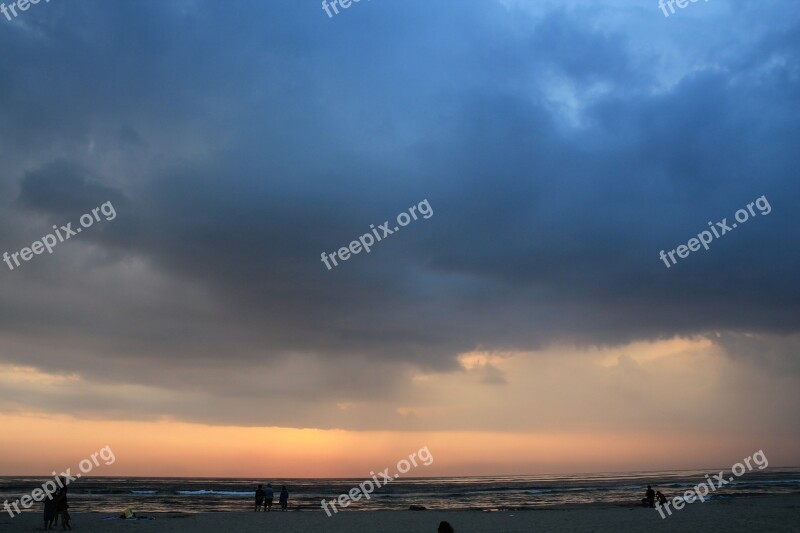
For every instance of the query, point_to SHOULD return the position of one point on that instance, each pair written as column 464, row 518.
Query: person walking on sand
column 269, row 497
column 284, row 499
column 259, row 497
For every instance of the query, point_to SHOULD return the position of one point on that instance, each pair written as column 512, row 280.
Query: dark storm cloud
column 242, row 141
column 63, row 191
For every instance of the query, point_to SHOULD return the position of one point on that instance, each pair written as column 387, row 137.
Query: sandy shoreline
column 767, row 513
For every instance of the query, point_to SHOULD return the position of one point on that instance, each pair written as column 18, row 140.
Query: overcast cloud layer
column 561, row 146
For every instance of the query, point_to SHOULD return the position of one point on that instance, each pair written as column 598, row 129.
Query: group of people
column 55, row 507
column 651, row 496
column 266, row 497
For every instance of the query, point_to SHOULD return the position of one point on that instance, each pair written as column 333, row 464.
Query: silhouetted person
column 662, row 500
column 62, row 506
column 284, row 499
column 269, row 497
column 50, row 505
column 445, row 527
column 649, row 499
column 259, row 497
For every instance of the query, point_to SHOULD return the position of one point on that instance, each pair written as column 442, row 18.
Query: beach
column 762, row 514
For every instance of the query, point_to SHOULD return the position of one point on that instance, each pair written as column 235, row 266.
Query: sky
column 522, row 322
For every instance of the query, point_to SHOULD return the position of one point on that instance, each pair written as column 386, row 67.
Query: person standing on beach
column 284, row 500
column 259, row 497
column 62, row 506
column 49, row 511
column 270, row 496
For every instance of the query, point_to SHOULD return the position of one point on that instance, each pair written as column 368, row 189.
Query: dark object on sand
column 128, row 514
column 445, row 527
column 417, row 508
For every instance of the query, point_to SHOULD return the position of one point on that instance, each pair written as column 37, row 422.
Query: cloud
column 559, row 155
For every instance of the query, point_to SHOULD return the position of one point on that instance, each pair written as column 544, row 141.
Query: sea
column 112, row 495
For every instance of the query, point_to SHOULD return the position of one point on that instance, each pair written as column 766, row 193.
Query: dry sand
column 759, row 514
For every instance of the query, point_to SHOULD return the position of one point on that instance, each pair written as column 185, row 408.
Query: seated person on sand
column 662, row 500
column 259, row 497
column 649, row 499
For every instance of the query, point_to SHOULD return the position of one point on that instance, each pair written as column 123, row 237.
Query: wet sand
column 762, row 514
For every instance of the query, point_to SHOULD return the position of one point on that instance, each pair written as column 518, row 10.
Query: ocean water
column 194, row 495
